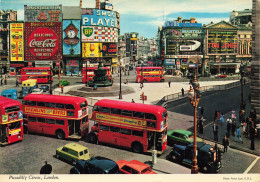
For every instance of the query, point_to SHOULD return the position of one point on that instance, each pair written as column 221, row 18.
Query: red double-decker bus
column 149, row 74
column 11, row 121
column 140, row 127
column 63, row 116
column 42, row 74
column 88, row 74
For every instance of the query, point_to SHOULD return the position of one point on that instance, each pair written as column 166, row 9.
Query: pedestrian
column 62, row 89
column 233, row 127
column 202, row 111
column 252, row 135
column 201, row 120
column 133, row 101
column 182, row 92
column 229, row 124
column 141, row 85
column 218, row 115
column 215, row 131
column 71, row 74
column 225, row 143
column 222, row 120
column 233, row 114
column 238, row 135
column 17, row 82
column 169, row 83
column 215, row 115
column 5, row 81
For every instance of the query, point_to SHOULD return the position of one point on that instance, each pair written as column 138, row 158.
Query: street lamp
column 59, row 59
column 242, row 73
column 194, row 96
column 120, row 88
column 50, row 81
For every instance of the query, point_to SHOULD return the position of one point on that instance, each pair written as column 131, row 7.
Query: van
column 10, row 93
column 28, row 86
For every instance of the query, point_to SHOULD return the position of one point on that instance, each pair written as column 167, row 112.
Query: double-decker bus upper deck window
column 12, row 109
column 31, row 103
column 61, row 106
column 104, row 127
column 96, row 108
column 24, row 102
column 104, row 109
column 150, row 116
column 59, row 122
column 83, row 104
column 70, row 113
column 41, row 104
column 150, row 124
column 31, row 119
column 114, row 129
column 69, row 106
column 49, row 104
column 138, row 114
column 14, row 125
column 115, row 111
column 137, row 133
column 127, row 113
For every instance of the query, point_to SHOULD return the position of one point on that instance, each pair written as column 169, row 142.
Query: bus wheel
column 137, row 147
column 92, row 138
column 60, row 134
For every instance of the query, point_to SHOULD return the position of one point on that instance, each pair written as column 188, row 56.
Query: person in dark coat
column 201, row 124
column 233, row 127
column 215, row 115
column 202, row 111
column 169, row 83
column 215, row 131
column 182, row 92
column 229, row 124
column 225, row 143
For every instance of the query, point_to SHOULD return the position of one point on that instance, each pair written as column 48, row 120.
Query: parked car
column 45, row 88
column 134, row 167
column 10, row 93
column 208, row 158
column 95, row 165
column 72, row 152
column 181, row 137
column 64, row 82
column 37, row 91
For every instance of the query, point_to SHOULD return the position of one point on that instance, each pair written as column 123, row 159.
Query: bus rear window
column 14, row 125
column 164, row 115
column 12, row 109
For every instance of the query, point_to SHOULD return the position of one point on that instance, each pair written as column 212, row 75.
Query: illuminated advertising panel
column 184, row 46
column 100, row 18
column 72, row 67
column 91, row 49
column 109, row 49
column 169, row 61
column 43, row 13
column 99, row 34
column 16, row 41
column 222, row 42
column 43, row 41
column 71, row 37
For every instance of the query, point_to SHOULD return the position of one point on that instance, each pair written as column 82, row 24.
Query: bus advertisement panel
column 41, row 74
column 141, row 127
column 149, row 74
column 62, row 116
column 88, row 74
column 11, row 121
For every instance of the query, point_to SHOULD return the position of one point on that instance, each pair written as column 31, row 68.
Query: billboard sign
column 16, row 41
column 71, row 37
column 72, row 67
column 43, row 13
column 91, row 50
column 109, row 49
column 43, row 40
column 184, row 46
column 100, row 18
column 169, row 61
column 99, row 34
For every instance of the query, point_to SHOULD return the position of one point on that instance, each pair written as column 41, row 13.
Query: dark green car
column 64, row 82
column 180, row 137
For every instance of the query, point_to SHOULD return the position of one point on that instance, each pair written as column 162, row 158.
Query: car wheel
column 92, row 138
column 60, row 134
column 205, row 169
column 137, row 148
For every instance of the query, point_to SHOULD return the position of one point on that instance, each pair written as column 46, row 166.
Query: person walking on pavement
column 252, row 135
column 222, row 120
column 202, row 111
column 238, row 135
column 182, row 92
column 133, row 101
column 5, row 79
column 17, row 82
column 233, row 114
column 215, row 115
column 169, row 83
column 215, row 131
column 62, row 89
column 233, row 127
column 225, row 143
column 201, row 124
column 229, row 124
column 218, row 114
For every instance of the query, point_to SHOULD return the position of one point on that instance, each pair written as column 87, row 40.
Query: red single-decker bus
column 42, row 74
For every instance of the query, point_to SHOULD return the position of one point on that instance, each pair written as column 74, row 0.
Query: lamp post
column 120, row 88
column 194, row 96
column 242, row 73
column 59, row 59
column 50, row 81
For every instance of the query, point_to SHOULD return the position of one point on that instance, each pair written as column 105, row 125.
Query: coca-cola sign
column 43, row 43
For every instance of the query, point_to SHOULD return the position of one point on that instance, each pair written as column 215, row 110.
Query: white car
column 37, row 91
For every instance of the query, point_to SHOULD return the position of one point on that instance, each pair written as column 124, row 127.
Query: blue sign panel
column 169, row 61
column 71, row 37
column 100, row 18
column 190, row 25
column 72, row 67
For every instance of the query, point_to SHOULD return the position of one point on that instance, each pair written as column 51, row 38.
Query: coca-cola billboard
column 43, row 41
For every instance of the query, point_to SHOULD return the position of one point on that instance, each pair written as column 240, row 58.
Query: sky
column 145, row 16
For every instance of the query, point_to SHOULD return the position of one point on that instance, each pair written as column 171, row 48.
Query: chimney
column 80, row 3
column 179, row 19
column 97, row 4
column 192, row 20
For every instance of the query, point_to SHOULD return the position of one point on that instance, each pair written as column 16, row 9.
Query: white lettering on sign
column 45, row 43
column 85, row 20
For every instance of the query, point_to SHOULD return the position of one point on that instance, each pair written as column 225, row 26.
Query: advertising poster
column 91, row 50
column 16, row 41
column 72, row 67
column 71, row 37
column 99, row 34
column 109, row 49
column 43, row 41
column 184, row 46
column 169, row 61
column 100, row 18
column 43, row 13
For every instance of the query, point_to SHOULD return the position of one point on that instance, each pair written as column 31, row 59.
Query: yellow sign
column 91, row 50
column 150, row 73
column 16, row 40
column 14, row 132
column 115, row 119
column 52, row 112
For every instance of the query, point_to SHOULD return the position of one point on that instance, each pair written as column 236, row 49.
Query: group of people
column 4, row 79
